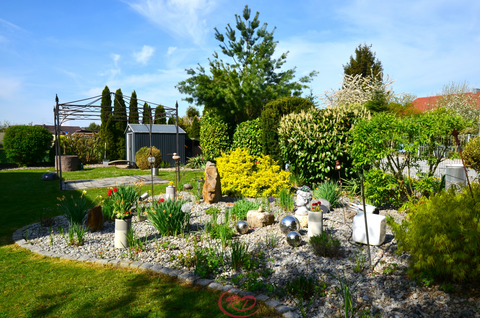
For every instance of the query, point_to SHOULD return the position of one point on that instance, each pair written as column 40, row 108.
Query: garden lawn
column 37, row 286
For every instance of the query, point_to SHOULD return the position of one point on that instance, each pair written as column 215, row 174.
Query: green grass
column 37, row 286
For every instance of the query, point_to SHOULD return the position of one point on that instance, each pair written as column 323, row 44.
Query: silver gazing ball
column 294, row 239
column 288, row 224
column 242, row 227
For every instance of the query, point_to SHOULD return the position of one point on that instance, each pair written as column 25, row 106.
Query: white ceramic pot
column 170, row 193
column 122, row 227
column 315, row 223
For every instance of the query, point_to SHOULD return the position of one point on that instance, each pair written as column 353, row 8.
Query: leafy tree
column 107, row 129
column 93, row 127
column 133, row 109
column 146, row 114
column 120, row 123
column 364, row 63
column 192, row 112
column 214, row 137
column 236, row 90
column 160, row 116
column 194, row 131
column 26, row 144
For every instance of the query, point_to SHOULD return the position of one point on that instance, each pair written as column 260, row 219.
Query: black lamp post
column 338, row 166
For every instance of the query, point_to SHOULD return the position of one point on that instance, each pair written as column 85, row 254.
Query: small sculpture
column 294, row 239
column 289, row 224
column 304, row 196
column 242, row 227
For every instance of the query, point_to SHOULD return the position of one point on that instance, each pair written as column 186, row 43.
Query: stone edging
column 185, row 276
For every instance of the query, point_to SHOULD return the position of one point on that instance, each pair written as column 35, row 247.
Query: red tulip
column 114, row 189
column 109, row 192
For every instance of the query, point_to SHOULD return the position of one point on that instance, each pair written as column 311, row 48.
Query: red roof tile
column 428, row 103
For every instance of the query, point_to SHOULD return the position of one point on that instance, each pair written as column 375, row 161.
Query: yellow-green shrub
column 244, row 175
column 141, row 157
column 471, row 154
column 442, row 235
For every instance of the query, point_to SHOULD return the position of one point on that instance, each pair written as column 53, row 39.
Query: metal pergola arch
column 87, row 109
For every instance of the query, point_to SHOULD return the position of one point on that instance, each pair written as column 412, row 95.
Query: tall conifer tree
column 133, row 109
column 120, row 117
column 107, row 126
column 364, row 63
column 146, row 114
column 160, row 117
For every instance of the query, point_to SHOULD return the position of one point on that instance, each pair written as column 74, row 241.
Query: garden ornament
column 294, row 239
column 289, row 224
column 242, row 227
column 304, row 196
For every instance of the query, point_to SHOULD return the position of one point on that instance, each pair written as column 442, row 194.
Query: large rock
column 95, row 218
column 259, row 219
column 212, row 189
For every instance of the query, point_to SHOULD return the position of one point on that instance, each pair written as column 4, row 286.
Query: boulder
column 212, row 189
column 95, row 218
column 49, row 176
column 187, row 186
column 303, row 219
column 259, row 219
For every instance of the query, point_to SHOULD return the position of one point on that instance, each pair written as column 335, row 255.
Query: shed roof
column 156, row 129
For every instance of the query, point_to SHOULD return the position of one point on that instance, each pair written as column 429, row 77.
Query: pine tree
column 160, row 116
column 364, row 63
column 120, row 117
column 133, row 109
column 107, row 127
column 146, row 114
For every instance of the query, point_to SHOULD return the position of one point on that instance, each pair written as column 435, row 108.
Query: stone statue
column 304, row 196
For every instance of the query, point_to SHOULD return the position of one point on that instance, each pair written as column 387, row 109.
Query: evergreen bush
column 26, row 144
column 312, row 141
column 247, row 136
column 141, row 158
column 88, row 148
column 471, row 154
column 442, row 235
column 214, row 137
column 242, row 174
column 270, row 121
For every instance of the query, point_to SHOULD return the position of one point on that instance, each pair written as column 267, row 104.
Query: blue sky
column 75, row 48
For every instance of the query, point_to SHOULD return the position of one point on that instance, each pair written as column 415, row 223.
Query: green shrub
column 442, row 235
column 197, row 162
column 241, row 207
column 141, row 158
column 270, row 120
column 329, row 191
column 168, row 218
column 471, row 154
column 219, row 231
column 87, row 148
column 243, row 175
column 247, row 136
column 214, row 137
column 74, row 209
column 325, row 245
column 285, row 200
column 312, row 141
column 26, row 144
column 381, row 188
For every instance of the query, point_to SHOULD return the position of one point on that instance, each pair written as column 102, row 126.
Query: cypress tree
column 364, row 63
column 194, row 131
column 120, row 117
column 107, row 127
column 160, row 117
column 171, row 121
column 146, row 114
column 133, row 109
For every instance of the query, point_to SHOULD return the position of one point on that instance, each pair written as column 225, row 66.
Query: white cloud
column 171, row 50
column 115, row 58
column 181, row 18
column 10, row 25
column 144, row 55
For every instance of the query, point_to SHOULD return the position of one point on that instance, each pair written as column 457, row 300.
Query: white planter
column 315, row 223
column 377, row 229
column 170, row 192
column 105, row 162
column 122, row 227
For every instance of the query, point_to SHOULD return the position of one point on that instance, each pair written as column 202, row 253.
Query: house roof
column 156, row 129
column 428, row 103
column 64, row 129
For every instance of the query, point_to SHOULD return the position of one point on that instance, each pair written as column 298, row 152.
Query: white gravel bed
column 385, row 294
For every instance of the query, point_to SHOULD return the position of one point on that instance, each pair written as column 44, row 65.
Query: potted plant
column 123, row 199
column 170, row 191
column 315, row 220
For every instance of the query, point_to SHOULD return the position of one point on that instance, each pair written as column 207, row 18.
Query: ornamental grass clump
column 168, row 218
column 285, row 200
column 329, row 191
column 442, row 235
column 325, row 245
column 74, row 209
column 241, row 207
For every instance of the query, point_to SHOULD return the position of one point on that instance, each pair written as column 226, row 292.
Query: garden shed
column 164, row 137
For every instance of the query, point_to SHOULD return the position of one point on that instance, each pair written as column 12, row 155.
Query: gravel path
column 385, row 290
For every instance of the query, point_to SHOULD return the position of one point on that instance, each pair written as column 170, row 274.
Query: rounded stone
column 187, row 186
column 242, row 227
column 289, row 224
column 294, row 239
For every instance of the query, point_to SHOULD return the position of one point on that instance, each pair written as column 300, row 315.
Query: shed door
column 129, row 148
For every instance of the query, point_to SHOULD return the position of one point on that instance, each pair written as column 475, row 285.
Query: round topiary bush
column 247, row 136
column 214, row 137
column 141, row 158
column 27, row 144
column 471, row 154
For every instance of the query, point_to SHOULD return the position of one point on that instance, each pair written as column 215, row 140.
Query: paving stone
column 283, row 309
column 174, row 273
column 290, row 314
column 235, row 291
column 166, row 270
column 227, row 288
column 136, row 264
column 185, row 275
column 91, row 260
column 272, row 303
column 83, row 258
column 215, row 286
column 146, row 266
column 203, row 282
column 102, row 261
column 156, row 268
column 262, row 297
column 114, row 262
column 124, row 263
column 246, row 293
column 192, row 279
